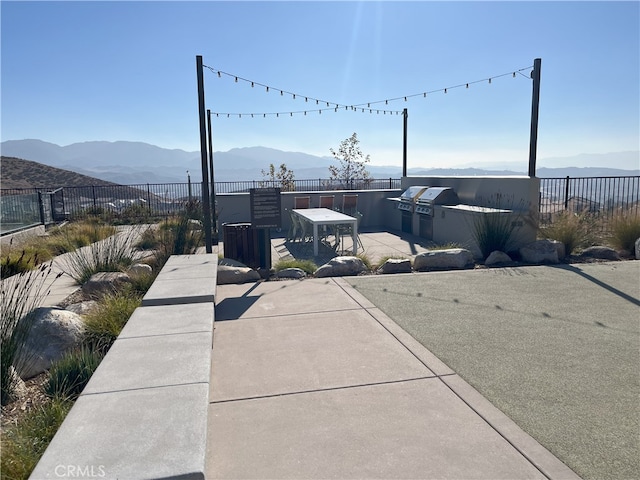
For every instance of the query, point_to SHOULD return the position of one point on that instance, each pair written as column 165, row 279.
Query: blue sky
column 82, row 71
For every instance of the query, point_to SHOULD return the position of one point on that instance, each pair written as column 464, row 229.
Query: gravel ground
column 557, row 349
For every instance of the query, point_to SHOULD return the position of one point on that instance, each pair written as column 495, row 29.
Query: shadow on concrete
column 233, row 308
column 600, row 283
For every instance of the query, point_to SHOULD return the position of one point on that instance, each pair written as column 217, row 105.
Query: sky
column 84, row 71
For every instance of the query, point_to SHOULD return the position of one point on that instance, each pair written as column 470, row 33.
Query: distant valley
column 130, row 163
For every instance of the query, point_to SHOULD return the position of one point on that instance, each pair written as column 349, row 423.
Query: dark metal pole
column 214, row 222
column 404, row 143
column 535, row 103
column 206, row 210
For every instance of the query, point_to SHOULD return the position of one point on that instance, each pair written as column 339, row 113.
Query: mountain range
column 136, row 162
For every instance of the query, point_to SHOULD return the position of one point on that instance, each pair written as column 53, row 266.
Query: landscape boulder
column 230, row 274
column 541, row 251
column 560, row 248
column 102, row 283
column 341, row 266
column 82, row 308
column 453, row 258
column 396, row 265
column 600, row 253
column 52, row 332
column 291, row 273
column 497, row 258
column 138, row 269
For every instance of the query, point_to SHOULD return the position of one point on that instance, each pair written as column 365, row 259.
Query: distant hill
column 129, row 163
column 19, row 173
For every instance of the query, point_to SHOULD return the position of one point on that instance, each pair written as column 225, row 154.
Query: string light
column 336, row 106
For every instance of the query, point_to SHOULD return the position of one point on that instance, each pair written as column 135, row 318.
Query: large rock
column 341, row 266
column 52, row 333
column 291, row 273
column 139, row 269
column 600, row 253
column 497, row 258
column 228, row 274
column 560, row 248
column 453, row 258
column 541, row 251
column 82, row 308
column 396, row 265
column 102, row 283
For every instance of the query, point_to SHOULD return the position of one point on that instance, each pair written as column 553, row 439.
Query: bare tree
column 352, row 164
column 284, row 177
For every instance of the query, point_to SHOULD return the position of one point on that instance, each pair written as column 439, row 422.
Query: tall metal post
column 214, row 222
column 535, row 102
column 404, row 143
column 206, row 204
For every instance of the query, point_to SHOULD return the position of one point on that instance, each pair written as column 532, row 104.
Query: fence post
column 95, row 201
column 566, row 193
column 41, row 207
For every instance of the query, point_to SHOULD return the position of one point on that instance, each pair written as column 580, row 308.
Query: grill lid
column 438, row 196
column 411, row 193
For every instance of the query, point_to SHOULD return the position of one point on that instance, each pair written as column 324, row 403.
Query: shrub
column 494, row 230
column 181, row 235
column 106, row 321
column 365, row 259
column 148, row 240
column 24, row 444
column 16, row 261
column 307, row 266
column 69, row 375
column 625, row 230
column 20, row 295
column 574, row 230
column 112, row 254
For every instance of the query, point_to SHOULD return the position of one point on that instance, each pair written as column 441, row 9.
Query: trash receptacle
column 246, row 244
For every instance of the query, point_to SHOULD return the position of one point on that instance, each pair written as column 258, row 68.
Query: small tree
column 283, row 176
column 352, row 162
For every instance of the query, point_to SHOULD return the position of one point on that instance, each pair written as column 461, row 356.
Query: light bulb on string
column 236, row 79
column 424, row 95
column 514, row 74
column 281, row 94
column 219, row 74
column 386, row 102
column 294, row 96
column 445, row 90
column 467, row 85
column 405, row 99
column 267, row 89
column 489, row 80
column 251, row 84
column 305, row 99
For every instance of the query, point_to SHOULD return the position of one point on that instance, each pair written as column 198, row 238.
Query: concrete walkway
column 312, row 380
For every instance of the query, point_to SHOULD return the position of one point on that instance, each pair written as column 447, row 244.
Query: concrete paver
column 311, row 380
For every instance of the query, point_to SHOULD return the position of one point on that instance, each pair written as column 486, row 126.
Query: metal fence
column 25, row 206
column 311, row 185
column 601, row 196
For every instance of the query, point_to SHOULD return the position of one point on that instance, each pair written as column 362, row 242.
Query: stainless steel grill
column 435, row 196
column 409, row 197
column 425, row 206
